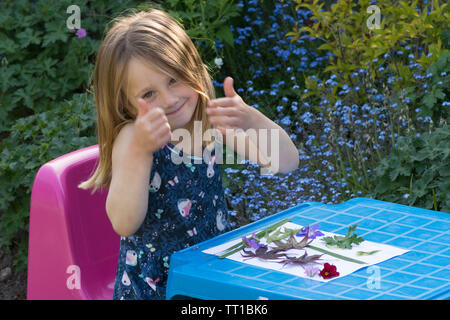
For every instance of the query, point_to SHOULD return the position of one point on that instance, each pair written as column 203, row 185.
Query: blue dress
column 186, row 205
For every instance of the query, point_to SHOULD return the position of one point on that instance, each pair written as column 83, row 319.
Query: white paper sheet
column 343, row 267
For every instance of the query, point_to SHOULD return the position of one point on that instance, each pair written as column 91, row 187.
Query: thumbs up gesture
column 151, row 128
column 230, row 112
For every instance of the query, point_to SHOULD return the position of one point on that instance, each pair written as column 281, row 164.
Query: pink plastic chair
column 73, row 249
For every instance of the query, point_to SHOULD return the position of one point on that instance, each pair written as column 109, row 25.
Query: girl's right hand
column 151, row 128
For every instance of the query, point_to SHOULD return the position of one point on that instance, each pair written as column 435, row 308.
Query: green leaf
column 55, row 31
column 344, row 242
column 325, row 46
column 336, row 255
column 226, row 35
column 366, row 253
column 29, row 36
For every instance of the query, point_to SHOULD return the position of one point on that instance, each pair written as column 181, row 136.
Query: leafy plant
column 430, row 92
column 35, row 140
column 417, row 172
column 345, row 242
column 43, row 62
column 380, row 84
column 352, row 45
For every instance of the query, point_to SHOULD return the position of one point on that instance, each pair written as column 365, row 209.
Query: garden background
column 365, row 98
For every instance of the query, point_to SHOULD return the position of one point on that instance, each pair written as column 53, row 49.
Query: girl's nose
column 168, row 101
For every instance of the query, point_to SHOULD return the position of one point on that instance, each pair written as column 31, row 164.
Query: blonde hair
column 155, row 37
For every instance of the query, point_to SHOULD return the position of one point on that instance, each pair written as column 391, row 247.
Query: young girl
column 149, row 80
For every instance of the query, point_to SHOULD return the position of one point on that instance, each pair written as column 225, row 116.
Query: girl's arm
column 127, row 201
column 283, row 152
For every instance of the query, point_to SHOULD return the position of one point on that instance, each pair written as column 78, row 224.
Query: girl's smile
column 177, row 111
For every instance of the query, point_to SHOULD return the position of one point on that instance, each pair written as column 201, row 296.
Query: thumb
column 142, row 107
column 228, row 87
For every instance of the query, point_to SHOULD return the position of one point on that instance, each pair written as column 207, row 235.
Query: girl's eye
column 147, row 96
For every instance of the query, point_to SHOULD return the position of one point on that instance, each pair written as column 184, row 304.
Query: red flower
column 329, row 271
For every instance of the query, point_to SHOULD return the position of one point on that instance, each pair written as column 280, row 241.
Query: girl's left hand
column 230, row 111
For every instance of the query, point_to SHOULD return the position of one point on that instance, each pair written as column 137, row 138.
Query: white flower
column 218, row 62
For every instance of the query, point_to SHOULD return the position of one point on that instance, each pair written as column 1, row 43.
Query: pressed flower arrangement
column 278, row 241
column 305, row 251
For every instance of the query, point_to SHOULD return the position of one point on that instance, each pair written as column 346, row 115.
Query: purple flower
column 252, row 243
column 80, row 33
column 311, row 232
column 311, row 271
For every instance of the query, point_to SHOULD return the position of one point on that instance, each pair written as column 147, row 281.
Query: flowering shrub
column 269, row 77
column 397, row 74
column 416, row 172
column 344, row 120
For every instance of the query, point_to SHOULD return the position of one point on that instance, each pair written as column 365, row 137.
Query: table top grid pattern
column 422, row 273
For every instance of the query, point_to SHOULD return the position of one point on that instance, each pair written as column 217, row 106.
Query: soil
column 14, row 287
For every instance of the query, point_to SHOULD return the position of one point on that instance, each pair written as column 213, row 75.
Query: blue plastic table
column 422, row 273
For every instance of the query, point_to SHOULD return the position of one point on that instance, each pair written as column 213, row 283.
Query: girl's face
column 176, row 98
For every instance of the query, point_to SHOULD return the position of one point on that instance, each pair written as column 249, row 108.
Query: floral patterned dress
column 186, row 206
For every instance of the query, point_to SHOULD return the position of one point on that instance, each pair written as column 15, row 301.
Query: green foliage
column 366, row 253
column 352, row 45
column 42, row 61
column 417, row 172
column 430, row 93
column 35, row 140
column 345, row 242
column 398, row 72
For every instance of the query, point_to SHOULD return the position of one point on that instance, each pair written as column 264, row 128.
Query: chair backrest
column 73, row 249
